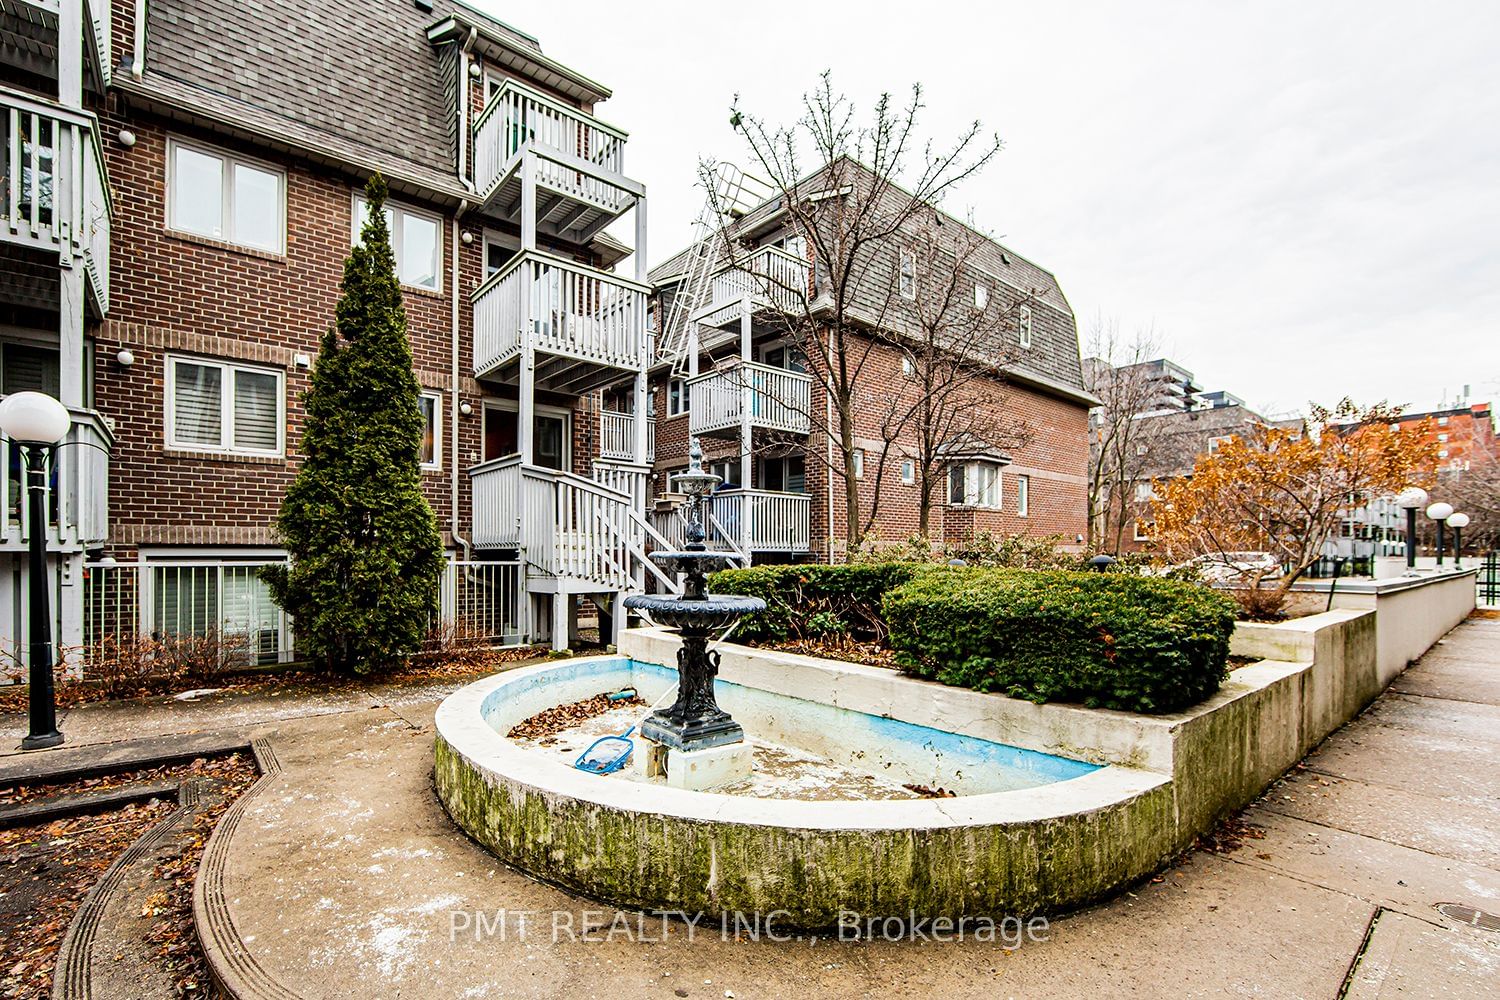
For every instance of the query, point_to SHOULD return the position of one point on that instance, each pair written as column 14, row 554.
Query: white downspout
column 463, row 97
column 463, row 206
column 138, row 56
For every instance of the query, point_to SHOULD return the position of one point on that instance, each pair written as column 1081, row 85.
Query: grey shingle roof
column 355, row 79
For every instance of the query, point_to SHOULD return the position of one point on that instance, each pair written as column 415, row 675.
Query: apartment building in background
column 733, row 373
column 182, row 183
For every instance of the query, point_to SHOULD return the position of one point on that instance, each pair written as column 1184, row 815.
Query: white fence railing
column 77, row 496
column 778, row 399
column 496, row 503
column 483, row 601
column 517, row 116
column 567, row 309
column 617, row 436
column 770, row 276
column 186, row 598
column 54, row 193
column 746, row 520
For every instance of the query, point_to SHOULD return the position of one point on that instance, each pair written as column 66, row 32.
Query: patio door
column 551, row 431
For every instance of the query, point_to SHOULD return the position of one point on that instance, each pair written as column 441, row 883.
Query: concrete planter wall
column 1052, row 848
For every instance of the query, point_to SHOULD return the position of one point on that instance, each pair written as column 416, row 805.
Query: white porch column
column 70, row 53
column 526, row 377
column 640, row 241
column 747, row 402
column 560, row 607
column 528, row 200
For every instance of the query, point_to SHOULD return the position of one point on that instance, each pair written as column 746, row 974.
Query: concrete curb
column 233, row 967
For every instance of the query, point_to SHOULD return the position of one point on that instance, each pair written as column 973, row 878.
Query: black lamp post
column 1458, row 522
column 37, row 422
column 1411, row 500
column 1440, row 512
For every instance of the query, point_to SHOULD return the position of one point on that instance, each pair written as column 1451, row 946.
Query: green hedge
column 1113, row 641
column 809, row 600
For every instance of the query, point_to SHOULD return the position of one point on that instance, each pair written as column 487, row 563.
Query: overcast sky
column 1302, row 199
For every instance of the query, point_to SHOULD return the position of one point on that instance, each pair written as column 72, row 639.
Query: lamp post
column 1439, row 512
column 1411, row 500
column 1458, row 522
column 37, row 422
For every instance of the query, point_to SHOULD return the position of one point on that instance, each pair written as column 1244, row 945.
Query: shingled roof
column 357, row 81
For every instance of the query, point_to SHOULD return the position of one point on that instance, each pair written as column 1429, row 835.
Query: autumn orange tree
column 1285, row 490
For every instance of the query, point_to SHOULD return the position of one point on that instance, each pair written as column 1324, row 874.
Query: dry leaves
column 555, row 720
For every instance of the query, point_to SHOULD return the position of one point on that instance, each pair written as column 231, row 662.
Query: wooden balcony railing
column 617, row 436
column 567, row 309
column 54, row 193
column 778, row 399
column 77, row 501
column 516, row 116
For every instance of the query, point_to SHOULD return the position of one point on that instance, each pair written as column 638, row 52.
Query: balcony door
column 552, row 434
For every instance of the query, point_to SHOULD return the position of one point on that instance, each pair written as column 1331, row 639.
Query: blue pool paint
column 890, row 748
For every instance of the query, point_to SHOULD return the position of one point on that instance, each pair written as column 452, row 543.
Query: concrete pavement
column 346, row 879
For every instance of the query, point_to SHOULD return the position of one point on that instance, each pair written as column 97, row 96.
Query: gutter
column 454, row 414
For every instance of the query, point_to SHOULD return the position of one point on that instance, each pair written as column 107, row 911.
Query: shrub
column 807, row 601
column 1106, row 640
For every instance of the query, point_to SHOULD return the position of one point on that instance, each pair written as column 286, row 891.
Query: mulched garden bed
column 47, row 870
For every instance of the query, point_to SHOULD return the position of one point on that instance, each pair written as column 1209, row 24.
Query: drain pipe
column 453, row 434
column 138, row 56
column 463, row 97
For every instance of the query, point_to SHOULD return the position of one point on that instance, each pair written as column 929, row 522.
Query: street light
column 1458, row 522
column 1411, row 500
column 1439, row 512
column 37, row 422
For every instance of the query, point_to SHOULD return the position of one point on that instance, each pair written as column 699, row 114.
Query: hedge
column 1113, row 641
column 809, row 600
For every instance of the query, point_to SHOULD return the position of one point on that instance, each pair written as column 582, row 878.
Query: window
column 974, row 484
column 229, row 599
column 727, row 469
column 1442, row 421
column 908, row 275
column 1215, row 443
column 1023, row 320
column 216, row 406
column 1144, row 530
column 414, row 240
column 498, row 252
column 786, row 475
column 1023, row 495
column 1443, row 438
column 1141, row 449
column 859, row 463
column 432, row 429
column 225, row 198
column 1142, row 492
column 784, row 356
column 677, row 397
column 909, row 472
column 908, row 366
column 1442, row 453
column 981, row 296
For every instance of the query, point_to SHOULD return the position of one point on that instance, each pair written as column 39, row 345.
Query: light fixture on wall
column 126, row 137
column 467, row 237
column 465, row 408
column 474, row 69
column 125, row 357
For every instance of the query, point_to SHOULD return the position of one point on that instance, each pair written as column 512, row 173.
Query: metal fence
column 1487, row 582
column 484, row 601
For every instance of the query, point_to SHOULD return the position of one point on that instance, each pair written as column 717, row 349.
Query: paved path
column 346, row 877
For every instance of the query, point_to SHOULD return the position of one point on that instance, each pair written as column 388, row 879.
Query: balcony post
column 747, row 397
column 528, row 200
column 70, row 53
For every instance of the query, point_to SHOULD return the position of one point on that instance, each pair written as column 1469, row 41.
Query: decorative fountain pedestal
column 693, row 743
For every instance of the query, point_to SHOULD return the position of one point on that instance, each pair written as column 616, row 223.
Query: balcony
column 778, row 400
column 578, row 163
column 54, row 193
column 584, row 325
column 616, row 437
column 747, row 521
column 77, row 500
column 31, row 29
column 768, row 280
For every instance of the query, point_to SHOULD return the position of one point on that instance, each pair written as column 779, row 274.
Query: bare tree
column 963, row 333
column 1122, row 447
column 852, row 191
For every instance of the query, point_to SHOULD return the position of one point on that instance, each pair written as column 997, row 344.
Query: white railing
column 623, row 478
column 54, row 193
column 483, row 601
column 517, row 116
column 496, row 495
column 567, row 309
column 778, row 399
column 77, row 496
column 770, row 276
column 617, row 436
column 764, row 520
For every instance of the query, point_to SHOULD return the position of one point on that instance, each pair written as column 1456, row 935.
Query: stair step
column 56, row 807
column 65, row 764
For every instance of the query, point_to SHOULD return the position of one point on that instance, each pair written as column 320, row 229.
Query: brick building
column 187, row 189
column 733, row 371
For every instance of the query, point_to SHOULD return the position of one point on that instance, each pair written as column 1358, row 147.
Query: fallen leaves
column 556, row 720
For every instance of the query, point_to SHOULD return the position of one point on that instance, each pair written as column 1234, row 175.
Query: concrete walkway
column 346, row 879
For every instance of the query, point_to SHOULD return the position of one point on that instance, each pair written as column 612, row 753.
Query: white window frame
column 682, row 402
column 909, row 471
column 1142, row 492
column 437, row 430
column 1023, row 321
column 226, row 407
column 859, row 463
column 1023, row 496
column 908, row 366
column 1215, row 443
column 357, row 223
column 906, row 274
column 226, row 194
column 1136, row 530
column 494, row 238
column 981, row 296
column 971, row 477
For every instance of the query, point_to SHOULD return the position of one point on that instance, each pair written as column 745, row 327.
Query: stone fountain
column 693, row 743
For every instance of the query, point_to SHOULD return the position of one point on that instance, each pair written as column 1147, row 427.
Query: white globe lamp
column 33, row 418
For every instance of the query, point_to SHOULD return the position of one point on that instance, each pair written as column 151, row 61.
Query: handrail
column 795, row 376
column 512, row 84
column 559, row 262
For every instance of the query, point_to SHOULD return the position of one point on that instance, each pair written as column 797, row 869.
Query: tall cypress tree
column 366, row 552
